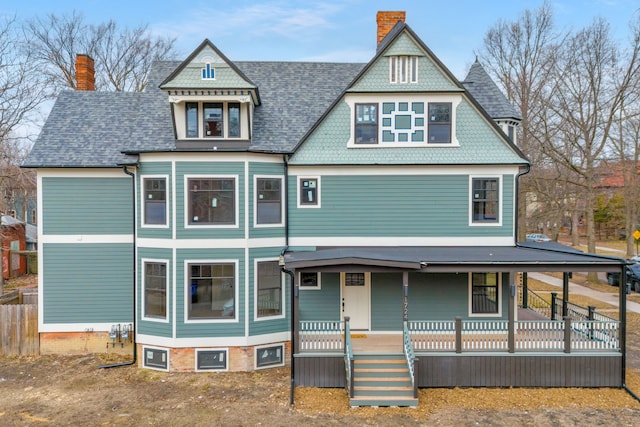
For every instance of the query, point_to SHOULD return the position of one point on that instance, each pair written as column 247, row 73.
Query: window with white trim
column 268, row 201
column 366, row 124
column 154, row 203
column 485, row 293
column 309, row 192
column 485, row 201
column 154, row 290
column 210, row 290
column 309, row 280
column 439, row 123
column 269, row 293
column 403, row 69
column 211, row 201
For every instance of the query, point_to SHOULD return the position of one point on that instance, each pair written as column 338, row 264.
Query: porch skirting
column 482, row 370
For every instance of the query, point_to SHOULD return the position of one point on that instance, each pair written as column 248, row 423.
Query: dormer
column 212, row 101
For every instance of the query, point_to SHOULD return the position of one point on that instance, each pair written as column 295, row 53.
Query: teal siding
column 383, row 206
column 445, row 296
column 266, row 325
column 256, row 168
column 159, row 329
column 154, row 168
column 87, row 283
column 209, row 329
column 209, row 168
column 87, row 205
column 323, row 304
column 386, row 301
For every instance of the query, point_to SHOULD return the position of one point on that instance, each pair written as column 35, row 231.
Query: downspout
column 518, row 175
column 135, row 329
column 291, row 275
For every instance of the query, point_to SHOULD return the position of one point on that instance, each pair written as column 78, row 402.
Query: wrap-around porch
column 555, row 346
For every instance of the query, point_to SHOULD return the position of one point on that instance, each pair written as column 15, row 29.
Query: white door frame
column 355, row 302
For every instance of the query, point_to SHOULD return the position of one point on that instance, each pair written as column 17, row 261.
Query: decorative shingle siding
column 72, row 206
column 430, row 77
column 480, row 143
column 87, row 283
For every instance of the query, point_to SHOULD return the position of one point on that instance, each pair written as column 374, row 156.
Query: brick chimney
column 85, row 73
column 387, row 20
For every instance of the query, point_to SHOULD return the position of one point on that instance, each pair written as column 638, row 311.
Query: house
column 14, row 241
column 244, row 215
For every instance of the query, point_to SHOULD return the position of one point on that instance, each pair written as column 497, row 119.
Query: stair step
column 382, row 388
column 381, row 370
column 383, row 401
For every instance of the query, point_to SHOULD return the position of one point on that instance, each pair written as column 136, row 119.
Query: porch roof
column 521, row 257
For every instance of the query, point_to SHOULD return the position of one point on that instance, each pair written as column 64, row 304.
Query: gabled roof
column 489, row 96
column 207, row 52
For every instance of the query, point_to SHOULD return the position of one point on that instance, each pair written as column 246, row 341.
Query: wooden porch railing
column 348, row 358
column 321, row 336
column 410, row 357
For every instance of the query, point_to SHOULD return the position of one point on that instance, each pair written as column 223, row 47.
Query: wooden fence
column 19, row 330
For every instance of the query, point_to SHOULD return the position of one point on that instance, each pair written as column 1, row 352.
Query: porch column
column 405, row 296
column 525, row 290
column 565, row 293
column 512, row 312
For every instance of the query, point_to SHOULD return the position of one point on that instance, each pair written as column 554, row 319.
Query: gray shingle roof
column 91, row 129
column 489, row 96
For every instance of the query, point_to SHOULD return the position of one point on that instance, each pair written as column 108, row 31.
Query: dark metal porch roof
column 523, row 257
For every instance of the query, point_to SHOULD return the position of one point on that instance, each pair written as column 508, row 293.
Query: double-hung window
column 269, row 289
column 213, row 120
column 154, row 204
column 439, row 122
column 268, row 201
column 210, row 290
column 485, row 201
column 485, row 293
column 211, row 201
column 366, row 126
column 155, row 290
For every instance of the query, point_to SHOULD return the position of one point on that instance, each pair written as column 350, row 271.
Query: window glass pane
column 268, row 201
column 213, row 125
column 485, row 199
column 439, row 122
column 309, row 280
column 403, row 69
column 212, row 201
column 366, row 127
column 155, row 290
column 269, row 289
column 414, row 69
column 392, row 69
column 484, row 293
column 354, row 279
column 308, row 191
column 211, row 291
column 234, row 120
column 192, row 119
column 155, row 200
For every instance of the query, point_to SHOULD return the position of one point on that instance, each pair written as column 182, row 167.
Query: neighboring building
column 386, row 190
column 14, row 240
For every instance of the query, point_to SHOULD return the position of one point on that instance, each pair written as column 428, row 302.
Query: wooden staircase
column 382, row 380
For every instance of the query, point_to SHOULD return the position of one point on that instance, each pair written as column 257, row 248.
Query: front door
column 356, row 291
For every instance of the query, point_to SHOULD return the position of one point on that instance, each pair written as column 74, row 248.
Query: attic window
column 403, row 69
column 208, row 72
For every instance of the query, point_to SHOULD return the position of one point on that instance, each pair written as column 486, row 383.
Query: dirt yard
column 73, row 390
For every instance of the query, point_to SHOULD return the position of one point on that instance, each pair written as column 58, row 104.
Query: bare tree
column 122, row 57
column 593, row 79
column 520, row 55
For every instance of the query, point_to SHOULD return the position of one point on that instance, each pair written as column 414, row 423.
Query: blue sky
column 331, row 30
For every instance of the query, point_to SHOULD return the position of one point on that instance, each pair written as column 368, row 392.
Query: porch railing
column 348, row 358
column 321, row 336
column 529, row 335
column 410, row 357
column 534, row 302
